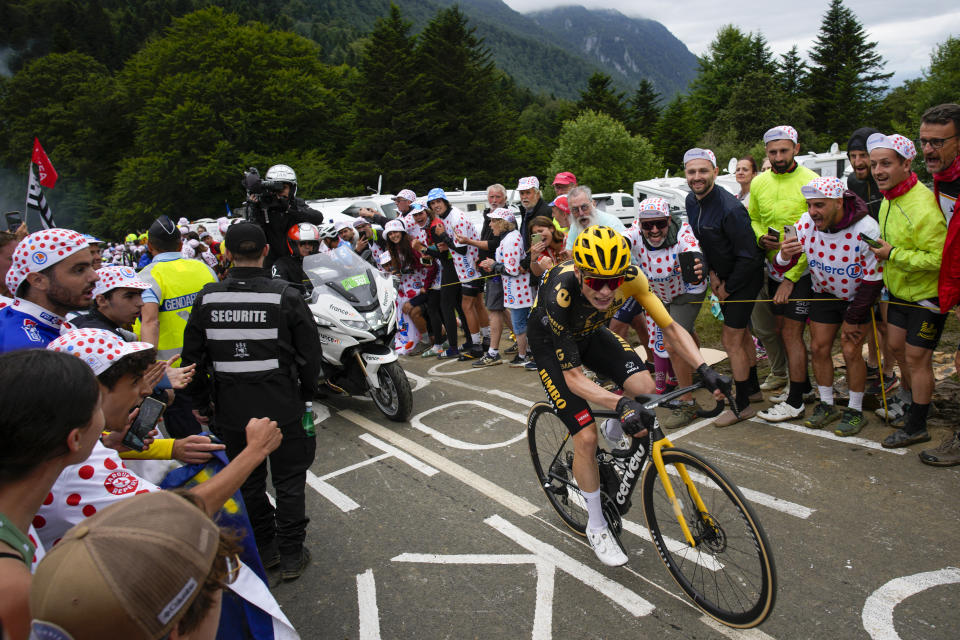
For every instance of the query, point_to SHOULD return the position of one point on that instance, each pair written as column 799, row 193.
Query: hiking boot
column 890, row 383
column 683, row 415
column 728, row 417
column 900, row 438
column 851, row 423
column 432, row 352
column 782, row 412
column 519, row 361
column 823, row 414
column 270, row 554
column 896, row 407
column 607, row 547
column 473, row 353
column 945, row 455
column 774, row 382
column 292, row 566
column 511, row 350
column 487, row 361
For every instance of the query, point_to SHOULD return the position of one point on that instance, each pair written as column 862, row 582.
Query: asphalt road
column 437, row 528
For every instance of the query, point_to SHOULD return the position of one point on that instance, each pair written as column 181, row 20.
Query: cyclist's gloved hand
column 634, row 417
column 716, row 382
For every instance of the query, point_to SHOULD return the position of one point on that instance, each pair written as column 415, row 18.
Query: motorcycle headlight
column 375, row 319
column 355, row 324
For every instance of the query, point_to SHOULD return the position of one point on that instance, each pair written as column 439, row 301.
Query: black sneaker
column 473, row 353
column 518, row 361
column 511, row 350
column 487, row 361
column 293, row 566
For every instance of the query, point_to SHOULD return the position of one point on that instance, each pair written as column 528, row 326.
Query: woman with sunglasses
column 656, row 242
column 568, row 329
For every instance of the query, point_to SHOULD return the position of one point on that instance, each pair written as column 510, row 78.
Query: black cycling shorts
column 736, row 315
column 471, row 288
column 793, row 310
column 603, row 352
column 827, row 309
column 923, row 326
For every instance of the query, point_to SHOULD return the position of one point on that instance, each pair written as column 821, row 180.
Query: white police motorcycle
column 354, row 306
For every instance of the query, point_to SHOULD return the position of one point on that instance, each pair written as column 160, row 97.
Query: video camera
column 267, row 191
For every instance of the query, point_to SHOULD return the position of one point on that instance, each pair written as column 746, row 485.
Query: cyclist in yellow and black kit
column 568, row 328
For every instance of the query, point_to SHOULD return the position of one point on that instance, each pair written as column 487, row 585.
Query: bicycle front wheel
column 729, row 572
column 551, row 450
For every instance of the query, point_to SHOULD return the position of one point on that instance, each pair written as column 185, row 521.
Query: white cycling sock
column 856, row 400
column 475, row 337
column 595, row 519
column 493, row 352
column 826, row 394
column 485, row 332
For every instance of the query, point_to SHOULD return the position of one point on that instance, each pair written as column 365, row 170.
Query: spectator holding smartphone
column 413, row 269
column 517, row 294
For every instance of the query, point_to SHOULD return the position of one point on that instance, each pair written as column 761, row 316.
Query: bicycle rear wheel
column 729, row 573
column 551, row 451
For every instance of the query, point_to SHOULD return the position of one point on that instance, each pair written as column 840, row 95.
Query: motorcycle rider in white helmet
column 272, row 204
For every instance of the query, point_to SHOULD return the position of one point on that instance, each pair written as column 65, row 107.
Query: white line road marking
column 466, row 558
column 358, row 465
column 735, row 634
column 435, row 369
column 878, row 609
column 417, row 423
column 515, row 503
column 331, row 493
column 767, row 500
column 696, row 426
column 403, row 456
column 543, row 613
column 419, row 382
column 676, row 547
column 829, row 435
column 592, row 578
column 367, row 601
column 483, row 391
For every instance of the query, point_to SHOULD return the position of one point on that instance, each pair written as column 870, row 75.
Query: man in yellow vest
column 174, row 283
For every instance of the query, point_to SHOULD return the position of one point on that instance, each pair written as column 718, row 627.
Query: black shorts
column 923, row 326
column 602, row 351
column 418, row 300
column 471, row 288
column 736, row 315
column 493, row 294
column 793, row 310
column 830, row 311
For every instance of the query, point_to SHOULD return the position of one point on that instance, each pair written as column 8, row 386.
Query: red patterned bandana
column 901, row 188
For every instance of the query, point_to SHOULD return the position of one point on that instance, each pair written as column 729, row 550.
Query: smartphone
column 789, row 232
column 774, row 233
column 687, row 260
column 535, row 238
column 151, row 411
column 870, row 241
column 14, row 220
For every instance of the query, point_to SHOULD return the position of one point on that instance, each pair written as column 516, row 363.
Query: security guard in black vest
column 258, row 354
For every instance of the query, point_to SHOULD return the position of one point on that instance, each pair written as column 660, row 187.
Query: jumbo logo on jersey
column 563, row 297
column 552, row 391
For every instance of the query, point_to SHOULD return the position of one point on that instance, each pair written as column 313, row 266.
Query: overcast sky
column 905, row 32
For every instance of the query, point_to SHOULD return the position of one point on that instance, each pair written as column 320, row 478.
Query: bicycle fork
column 657, row 456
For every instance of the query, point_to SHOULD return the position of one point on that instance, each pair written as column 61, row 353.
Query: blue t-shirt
column 24, row 325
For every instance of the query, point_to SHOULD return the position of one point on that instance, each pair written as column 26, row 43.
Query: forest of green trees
column 142, row 120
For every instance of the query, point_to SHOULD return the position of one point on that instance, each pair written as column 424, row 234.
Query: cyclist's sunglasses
column 599, row 283
column 650, row 225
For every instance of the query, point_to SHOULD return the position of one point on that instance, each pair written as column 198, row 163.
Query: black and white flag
column 37, row 201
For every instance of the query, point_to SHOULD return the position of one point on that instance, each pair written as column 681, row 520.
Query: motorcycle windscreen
column 344, row 272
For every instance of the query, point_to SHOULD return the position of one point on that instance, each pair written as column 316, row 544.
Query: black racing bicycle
column 704, row 530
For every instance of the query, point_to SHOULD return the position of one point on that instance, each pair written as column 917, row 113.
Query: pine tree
column 600, row 96
column 846, row 80
column 676, row 132
column 792, row 73
column 467, row 130
column 644, row 110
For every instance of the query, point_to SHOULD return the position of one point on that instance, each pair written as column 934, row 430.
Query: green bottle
column 307, row 421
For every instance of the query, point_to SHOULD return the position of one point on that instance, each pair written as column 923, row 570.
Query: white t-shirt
column 839, row 261
column 662, row 266
column 84, row 489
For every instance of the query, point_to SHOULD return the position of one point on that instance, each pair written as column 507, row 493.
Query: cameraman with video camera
column 273, row 206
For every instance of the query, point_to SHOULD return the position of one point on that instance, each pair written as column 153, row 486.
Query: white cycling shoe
column 782, row 412
column 607, row 547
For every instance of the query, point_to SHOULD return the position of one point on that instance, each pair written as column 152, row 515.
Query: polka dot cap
column 502, row 214
column 97, row 347
column 783, row 132
column 900, row 144
column 828, row 187
column 703, row 154
column 40, row 250
column 118, row 278
column 653, row 208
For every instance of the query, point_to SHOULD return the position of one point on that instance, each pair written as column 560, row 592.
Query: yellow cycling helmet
column 601, row 252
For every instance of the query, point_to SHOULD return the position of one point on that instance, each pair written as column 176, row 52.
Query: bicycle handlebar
column 652, row 401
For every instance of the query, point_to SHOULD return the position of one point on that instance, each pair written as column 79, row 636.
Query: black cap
column 245, row 238
column 163, row 229
column 858, row 140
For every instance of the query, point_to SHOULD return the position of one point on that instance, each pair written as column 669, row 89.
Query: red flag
column 48, row 175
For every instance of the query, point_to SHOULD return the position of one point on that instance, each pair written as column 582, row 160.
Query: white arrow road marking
column 342, row 501
column 878, row 609
column 402, row 456
column 590, row 577
column 367, row 601
column 417, row 423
